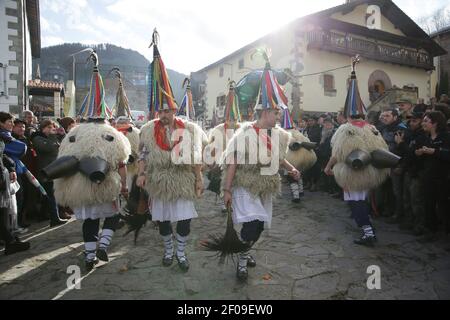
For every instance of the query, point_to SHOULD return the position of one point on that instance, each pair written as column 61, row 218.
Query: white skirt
column 172, row 211
column 355, row 195
column 247, row 207
column 97, row 211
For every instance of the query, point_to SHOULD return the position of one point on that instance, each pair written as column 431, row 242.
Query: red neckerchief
column 359, row 123
column 124, row 130
column 160, row 134
column 264, row 137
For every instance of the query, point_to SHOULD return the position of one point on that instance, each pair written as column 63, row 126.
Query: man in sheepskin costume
column 90, row 172
column 300, row 154
column 170, row 165
column 124, row 125
column 219, row 137
column 173, row 185
column 360, row 160
column 250, row 164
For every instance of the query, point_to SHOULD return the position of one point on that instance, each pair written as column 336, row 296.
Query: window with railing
column 348, row 44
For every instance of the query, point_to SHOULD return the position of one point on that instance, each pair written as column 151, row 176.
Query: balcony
column 350, row 45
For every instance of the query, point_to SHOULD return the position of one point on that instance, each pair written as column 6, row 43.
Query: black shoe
column 296, row 200
column 57, row 223
column 183, row 263
column 241, row 273
column 16, row 246
column 167, row 261
column 90, row 264
column 102, row 255
column 251, row 262
column 367, row 241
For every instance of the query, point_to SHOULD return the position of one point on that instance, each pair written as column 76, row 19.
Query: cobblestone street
column 308, row 254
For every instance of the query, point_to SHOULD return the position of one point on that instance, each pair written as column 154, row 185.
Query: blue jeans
column 360, row 212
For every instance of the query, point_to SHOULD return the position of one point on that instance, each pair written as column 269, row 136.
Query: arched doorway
column 379, row 82
column 379, row 87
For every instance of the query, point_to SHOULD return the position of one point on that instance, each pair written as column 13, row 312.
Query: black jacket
column 413, row 164
column 314, row 133
column 324, row 149
column 46, row 148
column 437, row 165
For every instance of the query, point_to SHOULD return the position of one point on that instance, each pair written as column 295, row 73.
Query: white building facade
column 317, row 49
column 19, row 43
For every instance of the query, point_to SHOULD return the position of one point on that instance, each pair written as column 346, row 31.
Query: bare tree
column 438, row 20
column 424, row 23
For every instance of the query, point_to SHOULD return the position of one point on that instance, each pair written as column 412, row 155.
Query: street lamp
column 73, row 61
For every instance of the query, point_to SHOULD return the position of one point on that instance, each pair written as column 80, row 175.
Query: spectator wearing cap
column 405, row 107
column 436, row 156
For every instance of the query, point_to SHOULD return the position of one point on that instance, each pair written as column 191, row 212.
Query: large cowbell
column 380, row 159
column 62, row 167
column 94, row 168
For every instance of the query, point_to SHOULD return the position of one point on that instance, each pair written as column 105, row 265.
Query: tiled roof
column 48, row 85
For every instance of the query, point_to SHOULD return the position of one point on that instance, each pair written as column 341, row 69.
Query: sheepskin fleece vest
column 248, row 176
column 302, row 159
column 78, row 190
column 167, row 180
column 348, row 138
column 133, row 138
column 219, row 131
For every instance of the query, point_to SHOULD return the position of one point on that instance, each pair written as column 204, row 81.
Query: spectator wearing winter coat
column 436, row 157
column 46, row 144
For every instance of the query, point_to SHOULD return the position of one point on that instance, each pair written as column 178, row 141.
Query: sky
column 194, row 33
